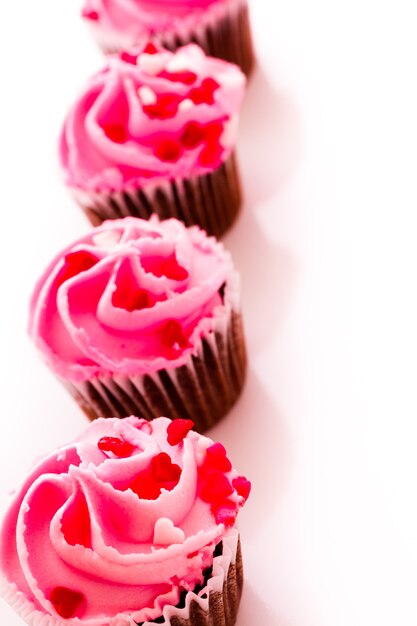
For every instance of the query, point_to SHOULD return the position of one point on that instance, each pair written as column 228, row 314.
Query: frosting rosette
column 131, row 297
column 151, row 116
column 113, row 528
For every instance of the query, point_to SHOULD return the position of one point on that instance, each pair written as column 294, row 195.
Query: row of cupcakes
column 134, row 523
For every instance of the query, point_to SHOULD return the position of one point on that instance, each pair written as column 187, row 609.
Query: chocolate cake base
column 203, row 389
column 211, row 201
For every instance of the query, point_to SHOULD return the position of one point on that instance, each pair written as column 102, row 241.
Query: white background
column 326, row 244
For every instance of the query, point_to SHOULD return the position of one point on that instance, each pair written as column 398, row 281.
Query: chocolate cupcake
column 154, row 132
column 220, row 27
column 133, row 523
column 143, row 318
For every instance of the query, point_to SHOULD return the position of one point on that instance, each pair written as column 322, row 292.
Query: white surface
column 326, row 427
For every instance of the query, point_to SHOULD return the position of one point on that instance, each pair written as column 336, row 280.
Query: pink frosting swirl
column 131, row 297
column 111, row 528
column 149, row 116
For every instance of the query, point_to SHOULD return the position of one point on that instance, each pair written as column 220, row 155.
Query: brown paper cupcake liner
column 223, row 32
column 211, row 201
column 226, row 35
column 203, row 389
column 217, row 603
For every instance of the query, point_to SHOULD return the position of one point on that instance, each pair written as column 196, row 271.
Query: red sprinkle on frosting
column 216, row 458
column 90, row 15
column 65, row 601
column 177, row 430
column 205, row 93
column 119, row 447
column 225, row 513
column 165, row 107
column 171, row 269
column 173, row 335
column 186, row 77
column 134, row 300
column 164, row 470
column 242, row 486
column 150, row 48
column 129, row 58
column 168, row 150
column 116, row 132
column 75, row 263
column 192, row 135
column 215, row 488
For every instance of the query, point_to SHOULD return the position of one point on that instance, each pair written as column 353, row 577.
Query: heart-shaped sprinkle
column 215, row 488
column 129, row 58
column 150, row 48
column 165, row 107
column 186, row 77
column 165, row 533
column 134, row 300
column 216, row 458
column 177, row 430
column 173, row 336
column 164, row 470
column 116, row 133
column 168, row 150
column 172, row 269
column 242, row 486
column 90, row 15
column 205, row 93
column 193, row 134
column 119, row 447
column 225, row 513
column 145, row 486
column 65, row 601
column 75, row 263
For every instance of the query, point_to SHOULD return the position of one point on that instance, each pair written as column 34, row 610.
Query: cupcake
column 143, row 318
column 154, row 132
column 220, row 27
column 133, row 523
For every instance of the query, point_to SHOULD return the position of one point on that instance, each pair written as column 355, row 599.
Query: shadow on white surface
column 268, row 471
column 269, row 139
column 255, row 612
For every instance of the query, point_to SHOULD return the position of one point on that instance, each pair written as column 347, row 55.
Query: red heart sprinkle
column 215, row 488
column 129, row 58
column 217, row 459
column 119, row 447
column 213, row 131
column 177, row 430
column 173, row 335
column 145, row 486
column 164, row 108
column 90, row 15
column 205, row 93
column 150, row 48
column 65, row 601
column 186, row 77
column 225, row 513
column 192, row 135
column 210, row 155
column 75, row 263
column 131, row 300
column 172, row 269
column 164, row 470
column 168, row 150
column 242, row 486
column 116, row 132
column 193, row 554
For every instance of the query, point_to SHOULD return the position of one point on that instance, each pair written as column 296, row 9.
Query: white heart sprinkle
column 147, row 95
column 165, row 533
column 151, row 64
column 185, row 105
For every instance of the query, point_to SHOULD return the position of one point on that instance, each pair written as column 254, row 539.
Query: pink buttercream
column 131, row 297
column 149, row 116
column 79, row 542
column 129, row 22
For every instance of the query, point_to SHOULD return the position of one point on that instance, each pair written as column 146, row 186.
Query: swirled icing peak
column 114, row 526
column 131, row 297
column 151, row 115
